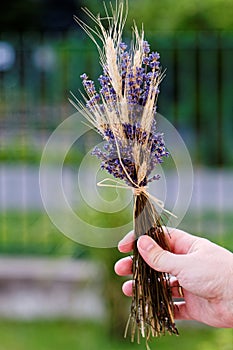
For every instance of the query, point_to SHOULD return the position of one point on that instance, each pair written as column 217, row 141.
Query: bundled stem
column 152, row 310
column 123, row 112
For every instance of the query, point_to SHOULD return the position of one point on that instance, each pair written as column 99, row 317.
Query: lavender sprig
column 133, row 133
column 135, row 81
column 136, row 86
column 123, row 110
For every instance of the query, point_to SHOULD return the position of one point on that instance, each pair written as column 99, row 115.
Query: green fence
column 196, row 94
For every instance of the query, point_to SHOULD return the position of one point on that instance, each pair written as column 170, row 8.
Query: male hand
column 202, row 268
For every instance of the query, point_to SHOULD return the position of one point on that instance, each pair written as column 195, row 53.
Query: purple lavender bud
column 123, row 46
column 136, row 86
column 84, row 76
column 146, row 47
column 104, row 80
column 146, row 61
column 154, row 56
column 155, row 177
column 154, row 64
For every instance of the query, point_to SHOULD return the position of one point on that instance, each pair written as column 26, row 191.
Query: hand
column 202, row 268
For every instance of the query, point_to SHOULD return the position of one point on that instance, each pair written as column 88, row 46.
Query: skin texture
column 202, row 268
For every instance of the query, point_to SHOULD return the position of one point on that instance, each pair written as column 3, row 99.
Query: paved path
column 50, row 288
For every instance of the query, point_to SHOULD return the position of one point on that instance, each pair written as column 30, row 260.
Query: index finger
column 126, row 244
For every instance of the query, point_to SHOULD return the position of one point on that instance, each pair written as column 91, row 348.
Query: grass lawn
column 60, row 335
column 32, row 233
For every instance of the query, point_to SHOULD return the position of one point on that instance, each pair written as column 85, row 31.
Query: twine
column 108, row 182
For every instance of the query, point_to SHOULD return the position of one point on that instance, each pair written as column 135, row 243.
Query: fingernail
column 145, row 243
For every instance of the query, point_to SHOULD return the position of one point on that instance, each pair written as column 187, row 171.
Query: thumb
column 158, row 258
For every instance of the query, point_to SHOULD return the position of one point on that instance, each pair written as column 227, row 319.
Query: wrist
column 227, row 315
column 228, row 303
column 230, row 308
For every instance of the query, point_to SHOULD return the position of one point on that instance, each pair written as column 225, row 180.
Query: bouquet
column 123, row 111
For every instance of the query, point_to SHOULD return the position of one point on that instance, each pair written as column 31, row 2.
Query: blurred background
column 55, row 293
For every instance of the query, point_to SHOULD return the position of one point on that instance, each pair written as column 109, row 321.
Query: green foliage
column 216, row 226
column 18, row 153
column 32, row 233
column 24, row 233
column 60, row 335
column 169, row 15
column 24, row 151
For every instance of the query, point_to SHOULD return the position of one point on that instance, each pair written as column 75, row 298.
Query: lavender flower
column 136, row 86
column 133, row 133
column 123, row 107
column 135, row 81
